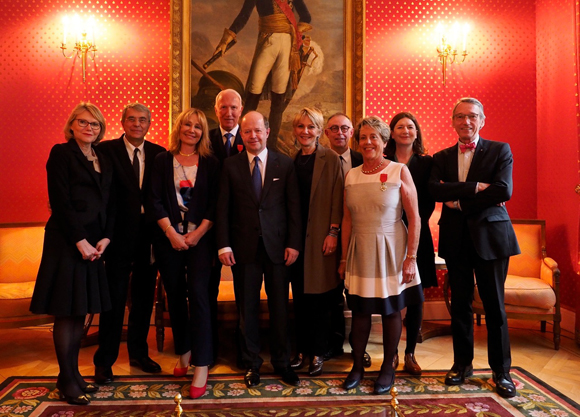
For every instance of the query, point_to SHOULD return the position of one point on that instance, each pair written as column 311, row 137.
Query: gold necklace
column 374, row 169
column 187, row 154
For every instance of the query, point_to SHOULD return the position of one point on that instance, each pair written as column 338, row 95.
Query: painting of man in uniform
column 280, row 55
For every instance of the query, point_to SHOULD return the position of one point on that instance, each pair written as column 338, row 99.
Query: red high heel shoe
column 179, row 372
column 196, row 392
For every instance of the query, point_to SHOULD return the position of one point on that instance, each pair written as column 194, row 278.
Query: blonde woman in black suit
column 71, row 280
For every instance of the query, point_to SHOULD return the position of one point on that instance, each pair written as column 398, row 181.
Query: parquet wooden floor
column 29, row 351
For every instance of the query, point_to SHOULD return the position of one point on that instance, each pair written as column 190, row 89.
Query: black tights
column 67, row 335
column 413, row 321
column 361, row 329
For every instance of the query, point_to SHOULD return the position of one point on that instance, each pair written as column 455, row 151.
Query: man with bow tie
column 474, row 179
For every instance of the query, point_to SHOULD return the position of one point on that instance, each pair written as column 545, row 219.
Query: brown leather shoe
column 395, row 361
column 411, row 365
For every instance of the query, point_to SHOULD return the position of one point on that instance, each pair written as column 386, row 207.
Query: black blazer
column 356, row 158
column 163, row 201
column 218, row 147
column 128, row 196
column 489, row 224
column 79, row 196
column 242, row 219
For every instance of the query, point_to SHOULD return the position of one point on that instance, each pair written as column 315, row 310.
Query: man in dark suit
column 258, row 234
column 474, row 179
column 226, row 141
column 128, row 260
column 339, row 132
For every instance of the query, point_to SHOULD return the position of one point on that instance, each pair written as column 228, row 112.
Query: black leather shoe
column 333, row 353
column 298, row 361
column 288, row 376
column 367, row 362
column 396, row 361
column 352, row 382
column 252, row 378
column 103, row 375
column 380, row 389
column 504, row 385
column 458, row 373
column 315, row 367
column 146, row 364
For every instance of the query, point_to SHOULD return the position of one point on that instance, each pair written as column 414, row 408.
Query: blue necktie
column 257, row 178
column 228, row 143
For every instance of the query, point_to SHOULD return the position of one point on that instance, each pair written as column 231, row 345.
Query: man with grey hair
column 225, row 139
column 473, row 179
column 128, row 259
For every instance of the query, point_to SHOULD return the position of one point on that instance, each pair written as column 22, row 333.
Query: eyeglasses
column 343, row 128
column 472, row 117
column 84, row 123
column 141, row 120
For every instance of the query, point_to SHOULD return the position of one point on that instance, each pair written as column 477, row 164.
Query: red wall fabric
column 403, row 74
column 39, row 87
column 558, row 137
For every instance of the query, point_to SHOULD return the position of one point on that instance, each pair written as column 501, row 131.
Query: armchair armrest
column 549, row 272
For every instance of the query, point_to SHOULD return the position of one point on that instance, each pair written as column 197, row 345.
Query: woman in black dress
column 406, row 146
column 71, row 281
column 183, row 200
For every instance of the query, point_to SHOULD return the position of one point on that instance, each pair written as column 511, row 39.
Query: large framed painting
column 324, row 68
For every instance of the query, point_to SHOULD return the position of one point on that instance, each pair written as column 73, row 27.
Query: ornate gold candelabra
column 84, row 42
column 447, row 49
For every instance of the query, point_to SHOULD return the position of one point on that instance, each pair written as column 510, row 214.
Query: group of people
column 326, row 222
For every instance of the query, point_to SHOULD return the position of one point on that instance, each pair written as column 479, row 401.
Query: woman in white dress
column 379, row 256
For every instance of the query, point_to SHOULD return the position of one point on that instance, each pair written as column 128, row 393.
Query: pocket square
column 276, row 179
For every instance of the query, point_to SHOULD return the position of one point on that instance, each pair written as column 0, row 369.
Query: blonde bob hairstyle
column 202, row 147
column 94, row 111
column 313, row 114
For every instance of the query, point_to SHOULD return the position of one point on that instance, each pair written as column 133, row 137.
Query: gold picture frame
column 181, row 68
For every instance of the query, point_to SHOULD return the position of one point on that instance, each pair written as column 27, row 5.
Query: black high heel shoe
column 380, row 389
column 79, row 400
column 351, row 381
column 89, row 388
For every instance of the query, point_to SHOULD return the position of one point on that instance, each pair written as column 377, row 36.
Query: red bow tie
column 464, row 147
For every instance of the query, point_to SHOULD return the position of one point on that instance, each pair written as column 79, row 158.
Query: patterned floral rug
column 227, row 396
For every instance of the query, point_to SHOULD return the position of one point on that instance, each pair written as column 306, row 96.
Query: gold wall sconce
column 447, row 45
column 82, row 34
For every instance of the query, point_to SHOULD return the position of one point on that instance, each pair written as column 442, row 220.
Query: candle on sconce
column 65, row 29
column 465, row 31
column 439, row 33
column 454, row 35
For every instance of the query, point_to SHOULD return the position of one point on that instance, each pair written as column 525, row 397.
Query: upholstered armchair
column 532, row 288
column 20, row 253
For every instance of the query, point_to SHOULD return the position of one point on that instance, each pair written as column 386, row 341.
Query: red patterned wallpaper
column 558, row 137
column 403, row 74
column 39, row 87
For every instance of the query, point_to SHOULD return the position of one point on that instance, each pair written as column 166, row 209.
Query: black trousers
column 123, row 275
column 490, row 276
column 186, row 278
column 247, row 285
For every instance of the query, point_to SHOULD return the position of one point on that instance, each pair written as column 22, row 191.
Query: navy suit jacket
column 128, row 196
column 242, row 219
column 489, row 225
column 218, row 147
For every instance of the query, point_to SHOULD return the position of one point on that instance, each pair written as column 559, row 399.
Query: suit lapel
column 478, row 156
column 85, row 162
column 245, row 175
column 272, row 172
column 453, row 164
column 125, row 161
column 319, row 163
